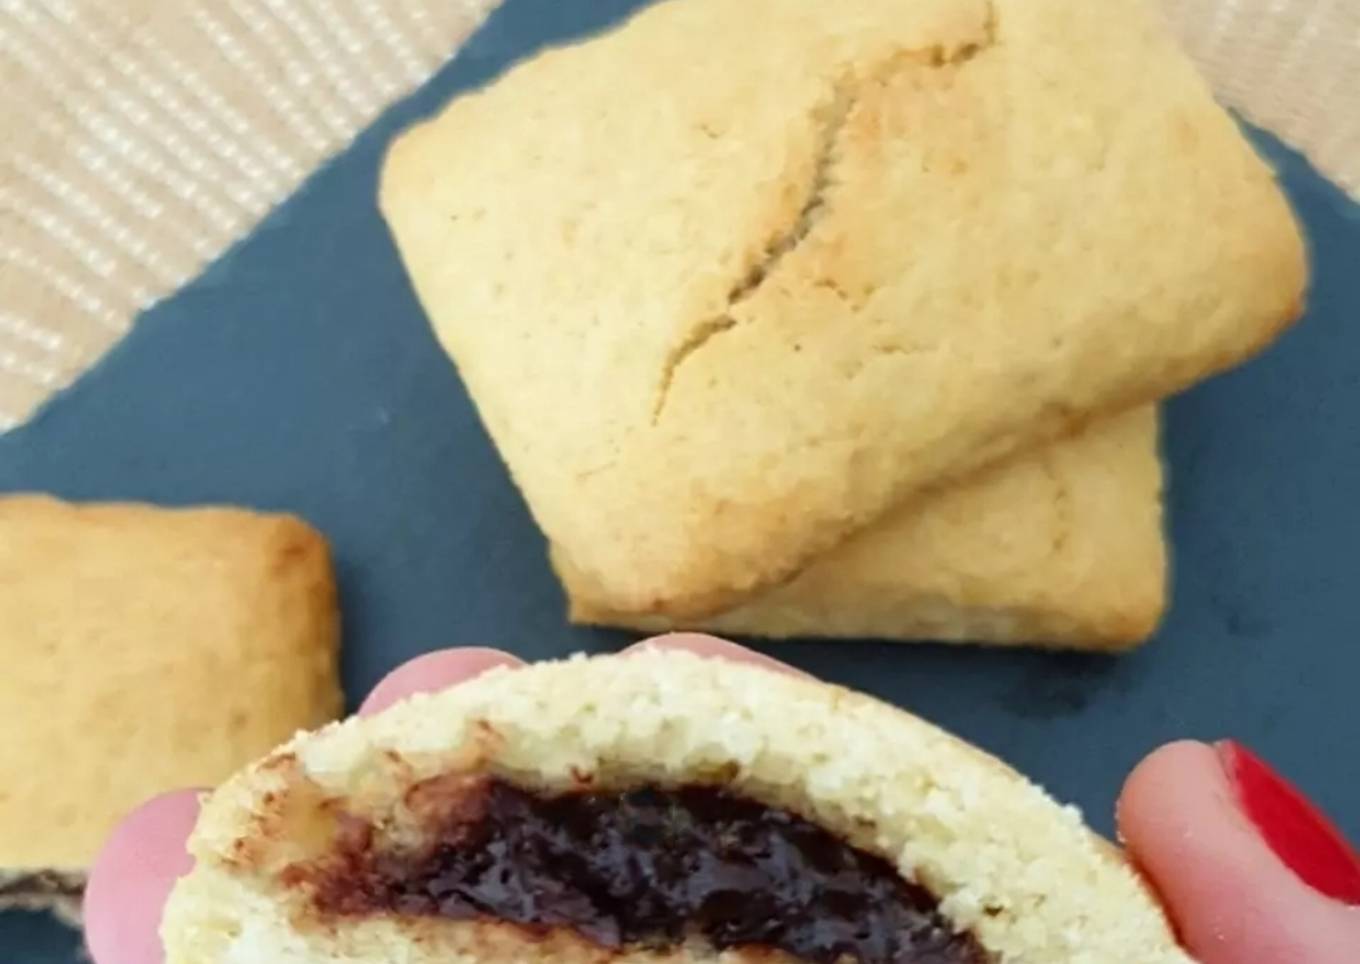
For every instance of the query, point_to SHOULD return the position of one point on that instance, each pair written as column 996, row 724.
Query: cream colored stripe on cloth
column 142, row 137
column 1290, row 66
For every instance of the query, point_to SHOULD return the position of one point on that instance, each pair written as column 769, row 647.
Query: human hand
column 1249, row 871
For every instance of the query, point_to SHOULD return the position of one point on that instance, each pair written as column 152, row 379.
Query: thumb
column 1250, row 871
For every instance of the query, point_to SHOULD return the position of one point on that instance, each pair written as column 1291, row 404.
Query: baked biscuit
column 651, row 808
column 1062, row 548
column 734, row 280
column 145, row 650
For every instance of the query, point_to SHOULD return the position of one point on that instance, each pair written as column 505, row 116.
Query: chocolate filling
column 647, row 868
column 42, row 884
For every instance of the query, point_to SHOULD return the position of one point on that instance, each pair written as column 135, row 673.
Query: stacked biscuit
column 793, row 321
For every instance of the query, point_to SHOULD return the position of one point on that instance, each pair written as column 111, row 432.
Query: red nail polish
column 1298, row 832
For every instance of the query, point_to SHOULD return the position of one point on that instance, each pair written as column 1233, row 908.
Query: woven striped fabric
column 143, row 137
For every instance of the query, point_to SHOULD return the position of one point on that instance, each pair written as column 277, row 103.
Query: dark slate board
column 299, row 374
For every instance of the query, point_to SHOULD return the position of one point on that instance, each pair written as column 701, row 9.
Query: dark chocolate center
column 651, row 868
column 42, row 883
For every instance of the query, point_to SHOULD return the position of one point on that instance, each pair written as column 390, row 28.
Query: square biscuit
column 1061, row 547
column 145, row 650
column 731, row 282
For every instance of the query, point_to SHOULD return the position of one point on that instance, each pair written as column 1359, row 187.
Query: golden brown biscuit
column 145, row 649
column 732, row 281
column 726, row 794
column 1062, row 547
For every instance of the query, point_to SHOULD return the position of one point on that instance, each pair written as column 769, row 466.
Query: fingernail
column 1298, row 832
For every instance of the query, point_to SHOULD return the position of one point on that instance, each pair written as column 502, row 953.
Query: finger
column 132, row 878
column 434, row 672
column 1250, row 872
column 712, row 647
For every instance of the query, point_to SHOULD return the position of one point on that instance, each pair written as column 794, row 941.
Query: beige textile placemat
column 140, row 138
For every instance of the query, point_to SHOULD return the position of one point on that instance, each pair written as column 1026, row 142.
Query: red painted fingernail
column 1298, row 832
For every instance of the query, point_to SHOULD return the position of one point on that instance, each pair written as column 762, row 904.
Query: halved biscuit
column 1062, row 547
column 145, row 650
column 734, row 280
column 658, row 807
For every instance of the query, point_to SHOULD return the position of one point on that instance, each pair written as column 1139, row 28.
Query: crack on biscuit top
column 1062, row 506
column 703, row 333
column 830, row 119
